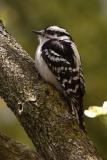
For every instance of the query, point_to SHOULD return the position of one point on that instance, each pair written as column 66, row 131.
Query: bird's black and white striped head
column 53, row 32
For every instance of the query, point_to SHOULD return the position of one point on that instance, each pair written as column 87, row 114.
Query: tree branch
column 10, row 149
column 39, row 108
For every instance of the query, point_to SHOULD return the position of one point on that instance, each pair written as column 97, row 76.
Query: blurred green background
column 87, row 22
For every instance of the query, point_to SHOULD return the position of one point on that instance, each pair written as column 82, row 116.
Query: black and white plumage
column 58, row 62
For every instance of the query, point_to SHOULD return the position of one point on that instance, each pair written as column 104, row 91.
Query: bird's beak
column 38, row 32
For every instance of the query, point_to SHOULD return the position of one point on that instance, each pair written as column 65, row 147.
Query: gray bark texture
column 39, row 108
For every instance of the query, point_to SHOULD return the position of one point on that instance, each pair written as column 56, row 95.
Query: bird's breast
column 43, row 68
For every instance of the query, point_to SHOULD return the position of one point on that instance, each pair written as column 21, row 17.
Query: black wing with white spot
column 59, row 57
column 59, row 66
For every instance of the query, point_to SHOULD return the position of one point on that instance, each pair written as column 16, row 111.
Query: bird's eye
column 49, row 32
column 59, row 34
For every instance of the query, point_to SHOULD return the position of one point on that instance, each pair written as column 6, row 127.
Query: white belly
column 43, row 69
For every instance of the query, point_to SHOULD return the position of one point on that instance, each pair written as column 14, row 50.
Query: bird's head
column 52, row 32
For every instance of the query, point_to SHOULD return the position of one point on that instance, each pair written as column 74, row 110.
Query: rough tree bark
column 39, row 108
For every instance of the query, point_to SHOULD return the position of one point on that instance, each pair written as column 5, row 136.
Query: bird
column 58, row 62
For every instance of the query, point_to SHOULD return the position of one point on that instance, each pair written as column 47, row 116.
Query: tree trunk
column 39, row 108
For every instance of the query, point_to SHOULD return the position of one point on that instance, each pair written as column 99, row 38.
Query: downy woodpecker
column 58, row 62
